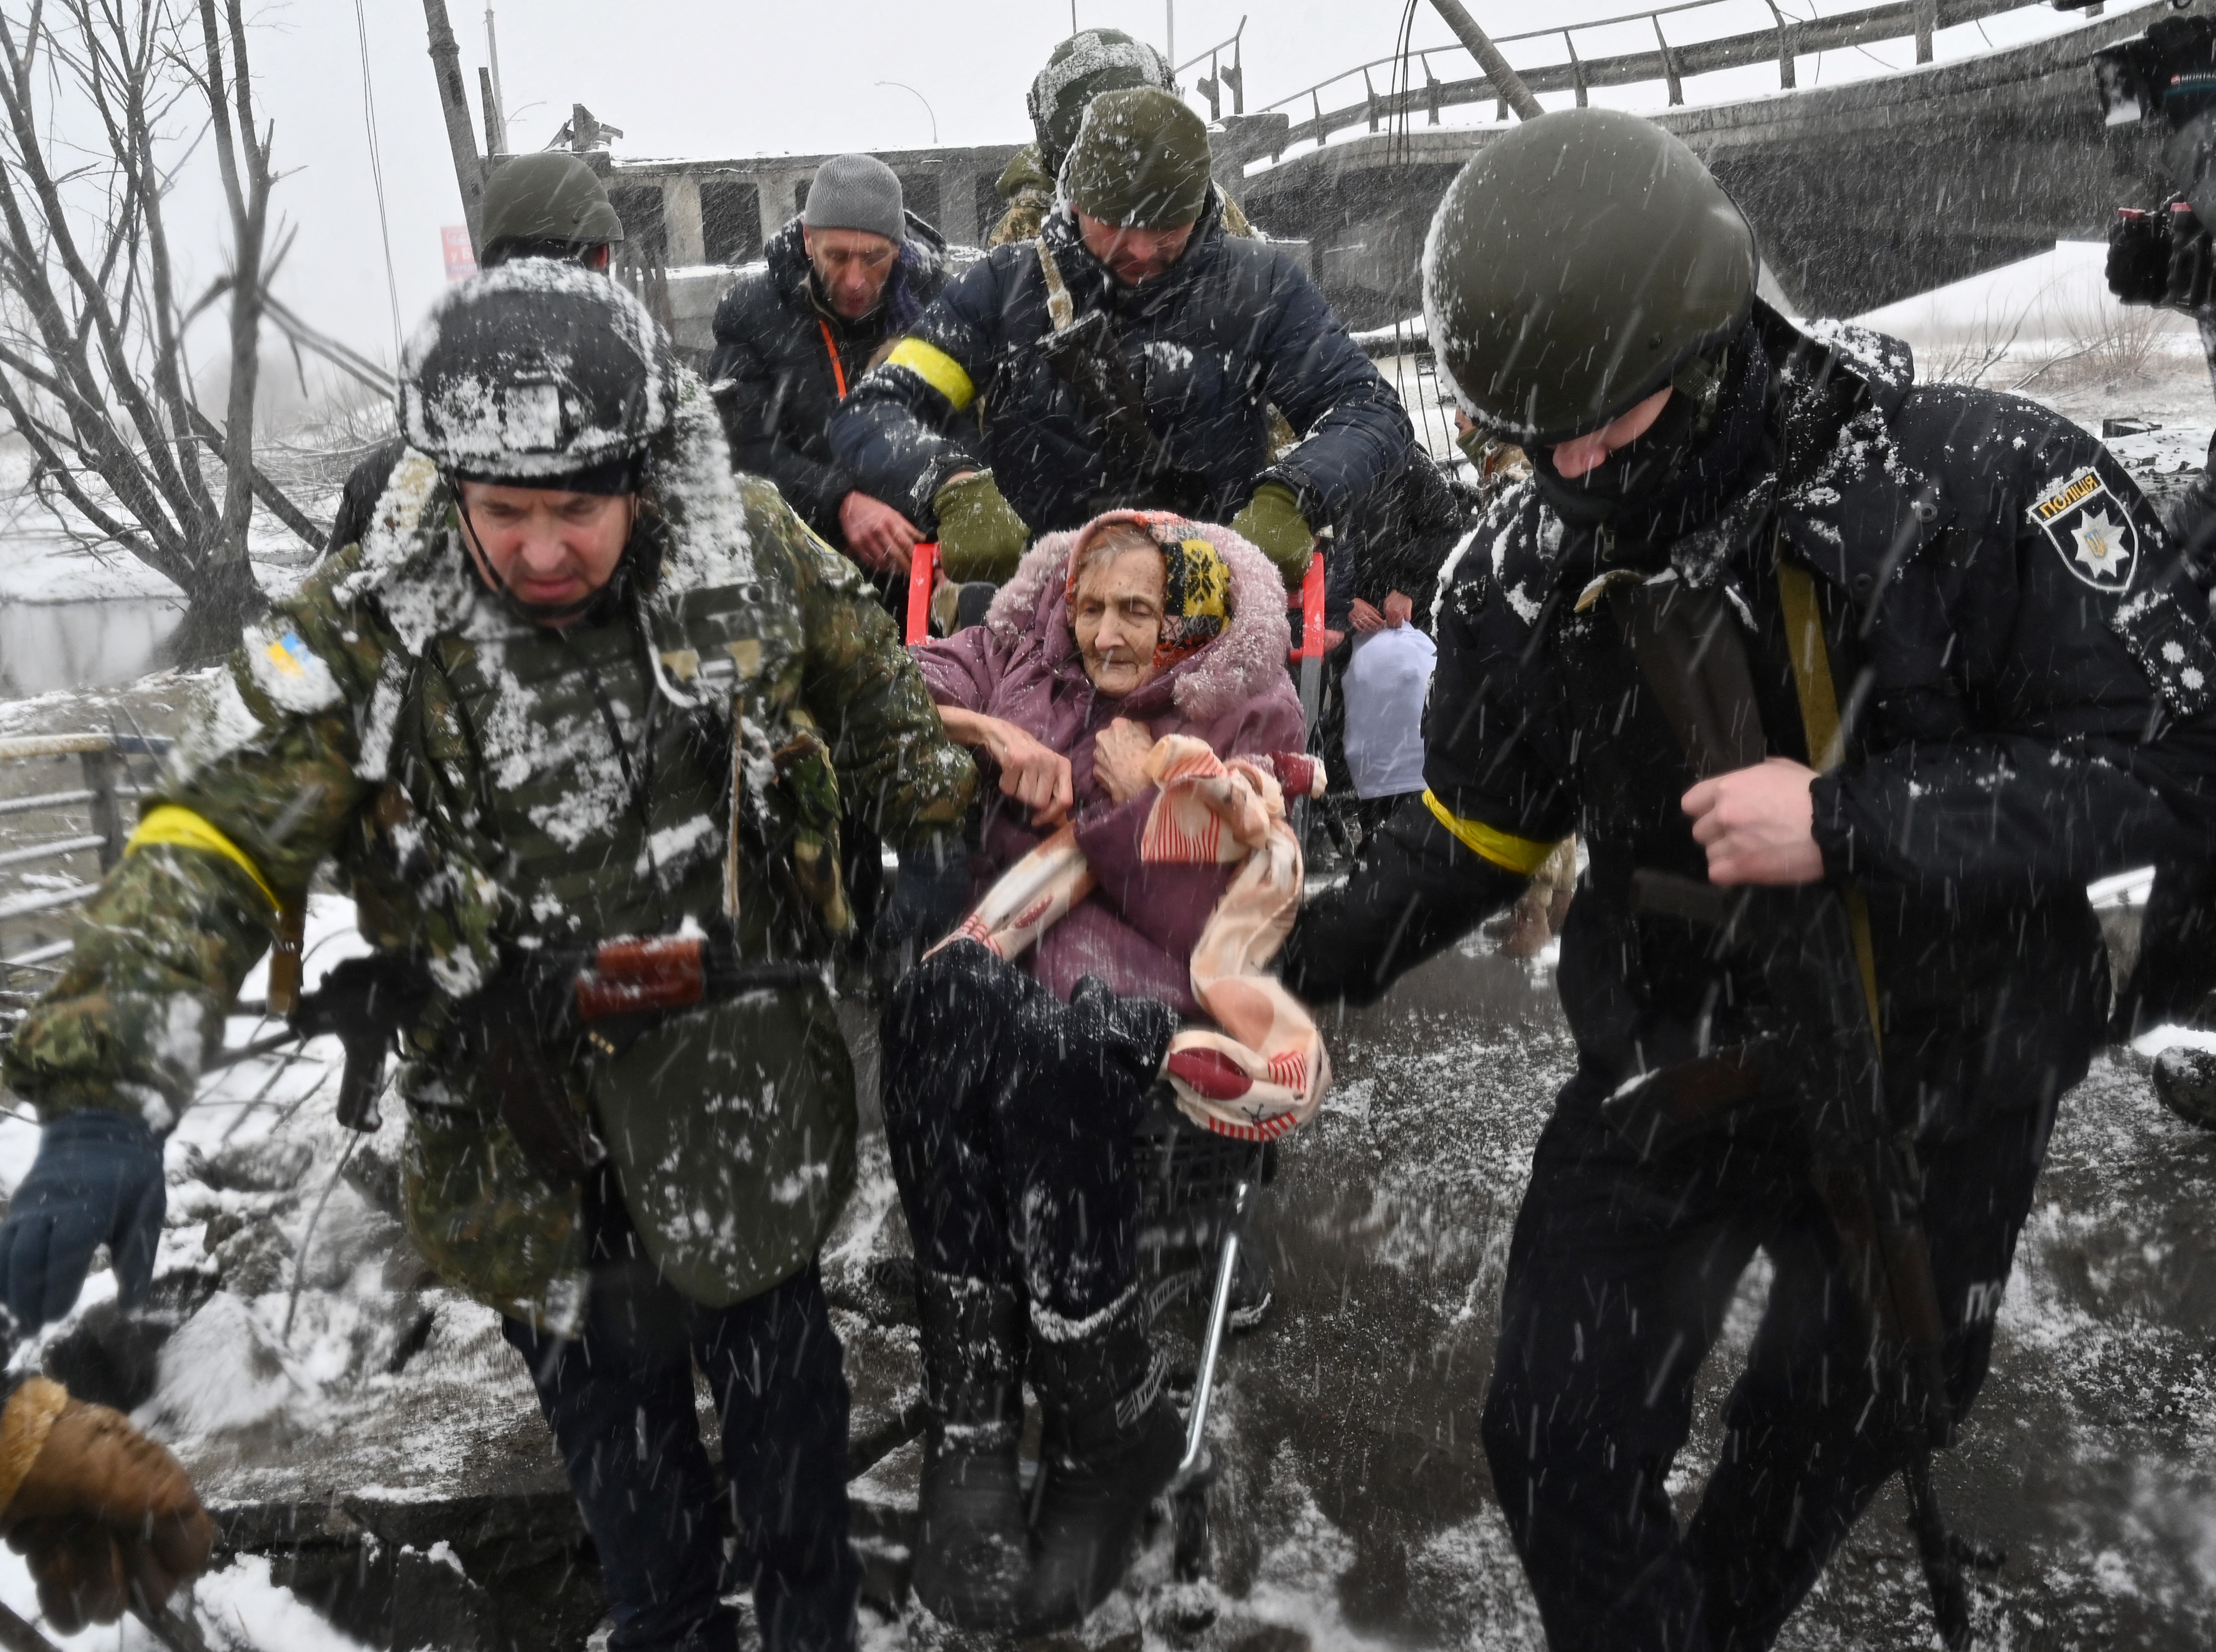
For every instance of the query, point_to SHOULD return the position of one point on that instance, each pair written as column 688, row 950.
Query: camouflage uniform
column 460, row 767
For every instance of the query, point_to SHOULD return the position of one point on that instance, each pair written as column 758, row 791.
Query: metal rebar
column 17, row 1635
column 52, row 849
column 70, row 745
column 44, row 800
column 22, row 906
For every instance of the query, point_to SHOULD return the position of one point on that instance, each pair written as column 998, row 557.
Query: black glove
column 2139, row 255
column 97, row 1181
column 930, row 896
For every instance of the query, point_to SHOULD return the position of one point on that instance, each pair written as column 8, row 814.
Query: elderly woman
column 1012, row 1093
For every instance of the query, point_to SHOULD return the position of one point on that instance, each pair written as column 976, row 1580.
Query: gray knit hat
column 856, row 192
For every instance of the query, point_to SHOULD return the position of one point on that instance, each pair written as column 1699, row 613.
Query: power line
column 377, row 177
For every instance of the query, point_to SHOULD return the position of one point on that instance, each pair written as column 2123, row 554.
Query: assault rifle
column 1822, row 1054
column 527, row 1027
column 1811, row 947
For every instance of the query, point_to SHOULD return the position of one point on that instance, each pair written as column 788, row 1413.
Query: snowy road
column 1356, row 1510
column 1367, row 1509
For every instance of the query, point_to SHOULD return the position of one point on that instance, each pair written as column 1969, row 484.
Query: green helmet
column 549, row 196
column 1082, row 67
column 1575, row 266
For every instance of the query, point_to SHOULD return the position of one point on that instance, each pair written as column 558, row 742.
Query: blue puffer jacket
column 1234, row 328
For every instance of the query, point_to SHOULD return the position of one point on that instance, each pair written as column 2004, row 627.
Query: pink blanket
column 1265, row 1070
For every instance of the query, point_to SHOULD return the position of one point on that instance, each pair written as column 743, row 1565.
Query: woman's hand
column 1032, row 772
column 1400, row 609
column 1119, row 759
column 1366, row 618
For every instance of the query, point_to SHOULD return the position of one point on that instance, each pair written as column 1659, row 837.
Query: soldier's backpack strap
column 1813, row 685
column 1061, row 308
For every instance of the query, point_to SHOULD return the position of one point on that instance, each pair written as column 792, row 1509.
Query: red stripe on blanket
column 1167, row 844
column 1212, row 1073
column 1268, row 1130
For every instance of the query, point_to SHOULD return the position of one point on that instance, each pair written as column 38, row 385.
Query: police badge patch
column 2091, row 531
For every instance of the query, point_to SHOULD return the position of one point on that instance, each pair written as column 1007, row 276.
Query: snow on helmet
column 1087, row 63
column 536, row 371
column 1575, row 266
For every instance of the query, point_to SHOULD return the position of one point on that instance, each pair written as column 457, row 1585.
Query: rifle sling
column 1086, row 354
column 1820, row 721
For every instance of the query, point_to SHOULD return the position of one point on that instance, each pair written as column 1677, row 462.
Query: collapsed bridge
column 1860, row 193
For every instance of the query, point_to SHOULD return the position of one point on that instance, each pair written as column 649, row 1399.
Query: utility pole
column 1505, row 81
column 496, row 116
column 1170, row 6
column 454, row 100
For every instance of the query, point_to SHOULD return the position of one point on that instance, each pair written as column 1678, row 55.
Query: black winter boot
column 1111, row 1442
column 971, row 1550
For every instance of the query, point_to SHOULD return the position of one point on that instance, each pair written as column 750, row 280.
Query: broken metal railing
column 107, row 793
column 1787, row 40
column 1221, row 78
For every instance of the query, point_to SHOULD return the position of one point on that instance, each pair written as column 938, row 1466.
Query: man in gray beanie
column 795, row 332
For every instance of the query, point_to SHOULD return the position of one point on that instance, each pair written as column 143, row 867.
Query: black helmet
column 1575, row 266
column 550, row 199
column 537, row 372
column 1087, row 63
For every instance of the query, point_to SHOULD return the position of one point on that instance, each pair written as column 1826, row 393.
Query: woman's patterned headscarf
column 1195, row 583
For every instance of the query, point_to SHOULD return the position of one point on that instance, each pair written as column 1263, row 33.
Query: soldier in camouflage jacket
column 498, row 784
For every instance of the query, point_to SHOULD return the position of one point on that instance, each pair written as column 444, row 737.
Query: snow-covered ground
column 1354, row 1511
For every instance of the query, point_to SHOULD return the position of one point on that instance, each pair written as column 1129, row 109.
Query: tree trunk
column 216, row 613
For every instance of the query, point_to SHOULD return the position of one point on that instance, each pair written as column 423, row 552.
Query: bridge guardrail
column 107, row 791
column 1788, row 39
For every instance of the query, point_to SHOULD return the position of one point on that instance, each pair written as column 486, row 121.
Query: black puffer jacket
column 1234, row 327
column 2026, row 680
column 771, row 372
column 1396, row 539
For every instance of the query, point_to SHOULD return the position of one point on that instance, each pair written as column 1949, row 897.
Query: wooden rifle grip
column 631, row 977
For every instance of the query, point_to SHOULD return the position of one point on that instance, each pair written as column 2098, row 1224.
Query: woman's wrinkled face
column 1116, row 615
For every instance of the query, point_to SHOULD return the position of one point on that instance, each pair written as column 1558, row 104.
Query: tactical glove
column 98, row 1507
column 97, row 1181
column 980, row 535
column 929, row 898
column 1272, row 524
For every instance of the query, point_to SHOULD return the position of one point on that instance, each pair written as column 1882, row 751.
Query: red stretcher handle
column 922, row 577
column 1311, row 605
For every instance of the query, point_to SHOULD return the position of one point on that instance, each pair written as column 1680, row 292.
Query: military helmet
column 551, row 196
column 535, row 372
column 1087, row 63
column 1576, row 265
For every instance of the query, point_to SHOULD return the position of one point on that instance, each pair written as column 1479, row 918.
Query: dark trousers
column 1011, row 1116
column 620, row 1401
column 1619, row 1276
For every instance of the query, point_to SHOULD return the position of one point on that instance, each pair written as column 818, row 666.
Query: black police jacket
column 1232, row 328
column 2026, row 683
column 782, row 362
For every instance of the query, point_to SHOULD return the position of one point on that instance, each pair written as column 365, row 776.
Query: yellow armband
column 1521, row 855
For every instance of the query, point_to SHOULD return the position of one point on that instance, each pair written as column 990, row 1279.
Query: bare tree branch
column 96, row 368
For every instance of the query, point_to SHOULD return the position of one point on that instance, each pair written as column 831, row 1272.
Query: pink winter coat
column 1137, row 929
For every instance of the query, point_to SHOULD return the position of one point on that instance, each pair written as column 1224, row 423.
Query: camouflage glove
column 101, row 1512
column 980, row 535
column 1272, row 524
column 97, row 1181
